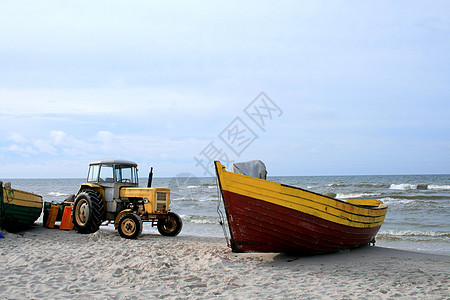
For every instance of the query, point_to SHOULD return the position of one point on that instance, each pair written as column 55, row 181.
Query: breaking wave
column 362, row 185
column 412, row 235
column 200, row 219
column 409, row 186
column 355, row 195
column 57, row 194
column 389, row 200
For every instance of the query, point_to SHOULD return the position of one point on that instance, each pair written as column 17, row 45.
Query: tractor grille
column 161, row 201
column 161, row 196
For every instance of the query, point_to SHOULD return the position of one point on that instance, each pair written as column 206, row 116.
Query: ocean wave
column 194, row 199
column 371, row 185
column 355, row 195
column 360, row 185
column 390, row 200
column 312, row 186
column 200, row 219
column 438, row 187
column 403, row 186
column 432, row 197
column 413, row 235
column 409, row 186
column 338, row 185
column 58, row 194
column 209, row 184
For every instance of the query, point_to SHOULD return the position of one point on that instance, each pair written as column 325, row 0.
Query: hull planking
column 265, row 216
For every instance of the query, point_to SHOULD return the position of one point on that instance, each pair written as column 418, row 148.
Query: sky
column 308, row 87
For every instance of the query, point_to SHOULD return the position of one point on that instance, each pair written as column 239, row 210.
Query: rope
column 222, row 219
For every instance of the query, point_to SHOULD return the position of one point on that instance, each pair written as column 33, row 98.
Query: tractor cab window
column 93, row 173
column 126, row 174
column 106, row 174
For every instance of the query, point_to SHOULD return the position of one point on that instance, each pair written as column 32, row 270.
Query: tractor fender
column 98, row 188
column 116, row 220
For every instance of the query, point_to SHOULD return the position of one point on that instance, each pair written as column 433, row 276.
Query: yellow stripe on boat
column 354, row 213
column 21, row 198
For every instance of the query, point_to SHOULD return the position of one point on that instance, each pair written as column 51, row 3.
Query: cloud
column 45, row 147
column 59, row 137
column 106, row 144
column 17, row 138
column 22, row 149
column 53, row 144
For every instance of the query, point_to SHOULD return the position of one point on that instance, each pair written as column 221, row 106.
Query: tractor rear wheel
column 88, row 211
column 130, row 225
column 170, row 226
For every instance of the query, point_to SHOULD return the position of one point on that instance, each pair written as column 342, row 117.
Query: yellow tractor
column 112, row 194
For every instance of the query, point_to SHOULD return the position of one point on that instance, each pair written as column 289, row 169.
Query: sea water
column 418, row 216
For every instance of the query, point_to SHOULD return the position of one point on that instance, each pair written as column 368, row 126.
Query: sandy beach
column 50, row 263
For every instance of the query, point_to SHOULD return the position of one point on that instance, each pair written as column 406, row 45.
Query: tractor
column 112, row 194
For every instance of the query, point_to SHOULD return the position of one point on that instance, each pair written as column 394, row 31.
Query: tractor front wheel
column 171, row 226
column 130, row 225
column 88, row 212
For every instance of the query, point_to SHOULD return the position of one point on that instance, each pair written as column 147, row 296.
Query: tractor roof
column 115, row 161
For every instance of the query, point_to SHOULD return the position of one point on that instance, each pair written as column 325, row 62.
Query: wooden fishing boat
column 18, row 209
column 265, row 216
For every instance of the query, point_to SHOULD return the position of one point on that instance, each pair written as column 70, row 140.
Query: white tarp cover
column 254, row 168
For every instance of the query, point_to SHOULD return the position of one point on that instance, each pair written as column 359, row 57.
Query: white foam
column 58, row 194
column 438, row 187
column 403, row 186
column 199, row 219
column 389, row 200
column 355, row 195
column 418, row 233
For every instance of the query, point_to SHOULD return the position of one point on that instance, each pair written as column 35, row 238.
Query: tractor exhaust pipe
column 150, row 178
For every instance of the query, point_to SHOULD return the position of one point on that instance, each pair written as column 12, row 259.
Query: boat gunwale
column 24, row 192
column 369, row 210
column 35, row 200
column 380, row 206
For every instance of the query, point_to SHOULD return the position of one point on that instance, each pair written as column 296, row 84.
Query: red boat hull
column 265, row 216
column 259, row 226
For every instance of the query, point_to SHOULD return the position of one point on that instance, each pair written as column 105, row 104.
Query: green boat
column 18, row 209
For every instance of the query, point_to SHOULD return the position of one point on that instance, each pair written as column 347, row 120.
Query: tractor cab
column 118, row 172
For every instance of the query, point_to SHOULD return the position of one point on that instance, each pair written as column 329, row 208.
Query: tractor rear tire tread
column 96, row 213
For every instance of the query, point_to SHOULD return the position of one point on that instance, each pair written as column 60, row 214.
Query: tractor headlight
column 145, row 200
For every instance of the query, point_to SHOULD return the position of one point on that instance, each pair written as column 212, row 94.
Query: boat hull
column 264, row 216
column 273, row 228
column 18, row 209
